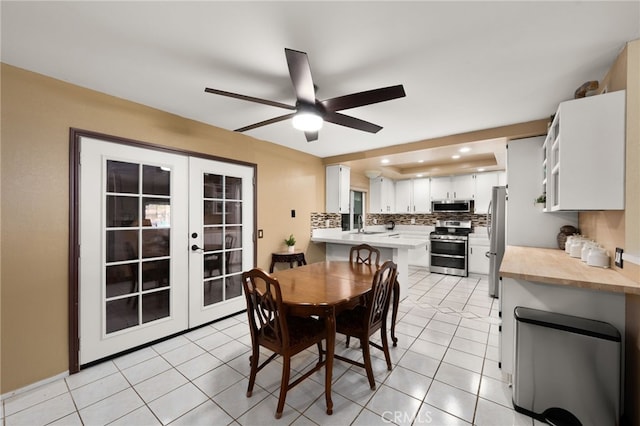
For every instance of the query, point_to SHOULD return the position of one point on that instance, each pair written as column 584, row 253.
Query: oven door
column 449, row 257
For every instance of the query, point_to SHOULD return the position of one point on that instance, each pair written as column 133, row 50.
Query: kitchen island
column 551, row 280
column 392, row 245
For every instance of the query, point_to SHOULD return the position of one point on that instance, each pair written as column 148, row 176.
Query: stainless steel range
column 450, row 247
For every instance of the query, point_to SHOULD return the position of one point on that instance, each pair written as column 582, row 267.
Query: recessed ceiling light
column 419, row 175
column 420, row 161
column 384, row 161
column 455, row 157
column 464, row 149
column 481, row 169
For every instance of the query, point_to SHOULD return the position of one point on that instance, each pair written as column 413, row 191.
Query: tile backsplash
column 334, row 220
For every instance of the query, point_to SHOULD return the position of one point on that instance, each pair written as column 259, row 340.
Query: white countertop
column 382, row 238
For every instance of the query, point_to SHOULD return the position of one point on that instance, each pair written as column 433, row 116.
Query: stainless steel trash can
column 566, row 368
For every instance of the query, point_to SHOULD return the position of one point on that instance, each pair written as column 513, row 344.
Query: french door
column 221, row 243
column 163, row 239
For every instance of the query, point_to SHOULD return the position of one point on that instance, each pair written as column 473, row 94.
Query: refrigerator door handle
column 489, row 220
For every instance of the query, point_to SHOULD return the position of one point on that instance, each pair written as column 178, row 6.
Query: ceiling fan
column 310, row 112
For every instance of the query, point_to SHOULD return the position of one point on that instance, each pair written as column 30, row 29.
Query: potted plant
column 542, row 199
column 290, row 242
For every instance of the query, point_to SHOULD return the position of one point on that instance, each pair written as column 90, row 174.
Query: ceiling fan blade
column 364, row 98
column 248, row 98
column 348, row 121
column 300, row 72
column 311, row 136
column 264, row 123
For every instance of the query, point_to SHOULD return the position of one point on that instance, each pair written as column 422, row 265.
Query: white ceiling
column 465, row 66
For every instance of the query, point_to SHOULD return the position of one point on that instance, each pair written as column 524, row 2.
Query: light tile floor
column 445, row 373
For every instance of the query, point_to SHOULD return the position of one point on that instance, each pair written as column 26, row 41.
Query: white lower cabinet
column 478, row 262
column 420, row 256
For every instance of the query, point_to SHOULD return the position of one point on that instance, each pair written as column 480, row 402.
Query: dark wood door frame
column 74, row 212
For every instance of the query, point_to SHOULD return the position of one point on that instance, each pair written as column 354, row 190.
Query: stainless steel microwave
column 452, row 206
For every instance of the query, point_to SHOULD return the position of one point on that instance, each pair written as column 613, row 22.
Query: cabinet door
column 440, row 188
column 463, row 187
column 375, row 195
column 344, row 189
column 484, row 183
column 421, row 196
column 337, row 185
column 478, row 262
column 403, row 195
column 381, row 195
column 388, row 195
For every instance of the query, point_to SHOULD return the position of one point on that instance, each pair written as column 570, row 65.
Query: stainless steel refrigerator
column 496, row 228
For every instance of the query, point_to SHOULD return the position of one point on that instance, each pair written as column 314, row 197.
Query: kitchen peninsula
column 392, row 245
column 551, row 280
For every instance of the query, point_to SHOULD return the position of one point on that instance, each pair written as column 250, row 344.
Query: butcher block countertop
column 553, row 266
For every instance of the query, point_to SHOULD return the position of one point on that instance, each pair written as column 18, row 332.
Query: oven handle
column 455, row 256
column 445, row 240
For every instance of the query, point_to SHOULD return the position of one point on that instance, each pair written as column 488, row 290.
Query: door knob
column 196, row 248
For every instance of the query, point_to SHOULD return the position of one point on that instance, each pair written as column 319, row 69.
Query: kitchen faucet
column 360, row 225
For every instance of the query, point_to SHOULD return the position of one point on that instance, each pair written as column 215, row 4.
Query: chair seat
column 300, row 330
column 351, row 320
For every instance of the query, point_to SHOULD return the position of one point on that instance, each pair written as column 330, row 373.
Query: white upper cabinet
column 338, row 184
column 440, row 187
column 404, row 196
column 484, row 183
column 381, row 195
column 461, row 187
column 585, row 154
column 421, row 195
column 412, row 196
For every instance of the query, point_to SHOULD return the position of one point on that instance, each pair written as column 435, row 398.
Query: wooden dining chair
column 364, row 253
column 363, row 321
column 273, row 329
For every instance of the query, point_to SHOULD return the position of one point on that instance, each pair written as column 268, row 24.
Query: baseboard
column 34, row 385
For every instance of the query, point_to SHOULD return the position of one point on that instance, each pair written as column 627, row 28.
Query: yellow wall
column 37, row 113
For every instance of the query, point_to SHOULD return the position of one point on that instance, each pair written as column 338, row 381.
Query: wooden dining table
column 325, row 289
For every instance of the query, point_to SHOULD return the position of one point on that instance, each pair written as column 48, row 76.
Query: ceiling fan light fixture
column 307, row 121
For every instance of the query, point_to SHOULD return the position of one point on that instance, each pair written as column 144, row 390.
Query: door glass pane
column 155, row 274
column 122, row 279
column 212, row 292
column 155, row 243
column 212, row 238
column 213, row 212
column 212, row 186
column 233, row 188
column 156, row 212
column 121, row 314
column 234, row 262
column 155, row 306
column 212, row 265
column 233, row 287
column 155, row 180
column 122, row 211
column 233, row 212
column 233, row 238
column 122, row 245
column 123, row 177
